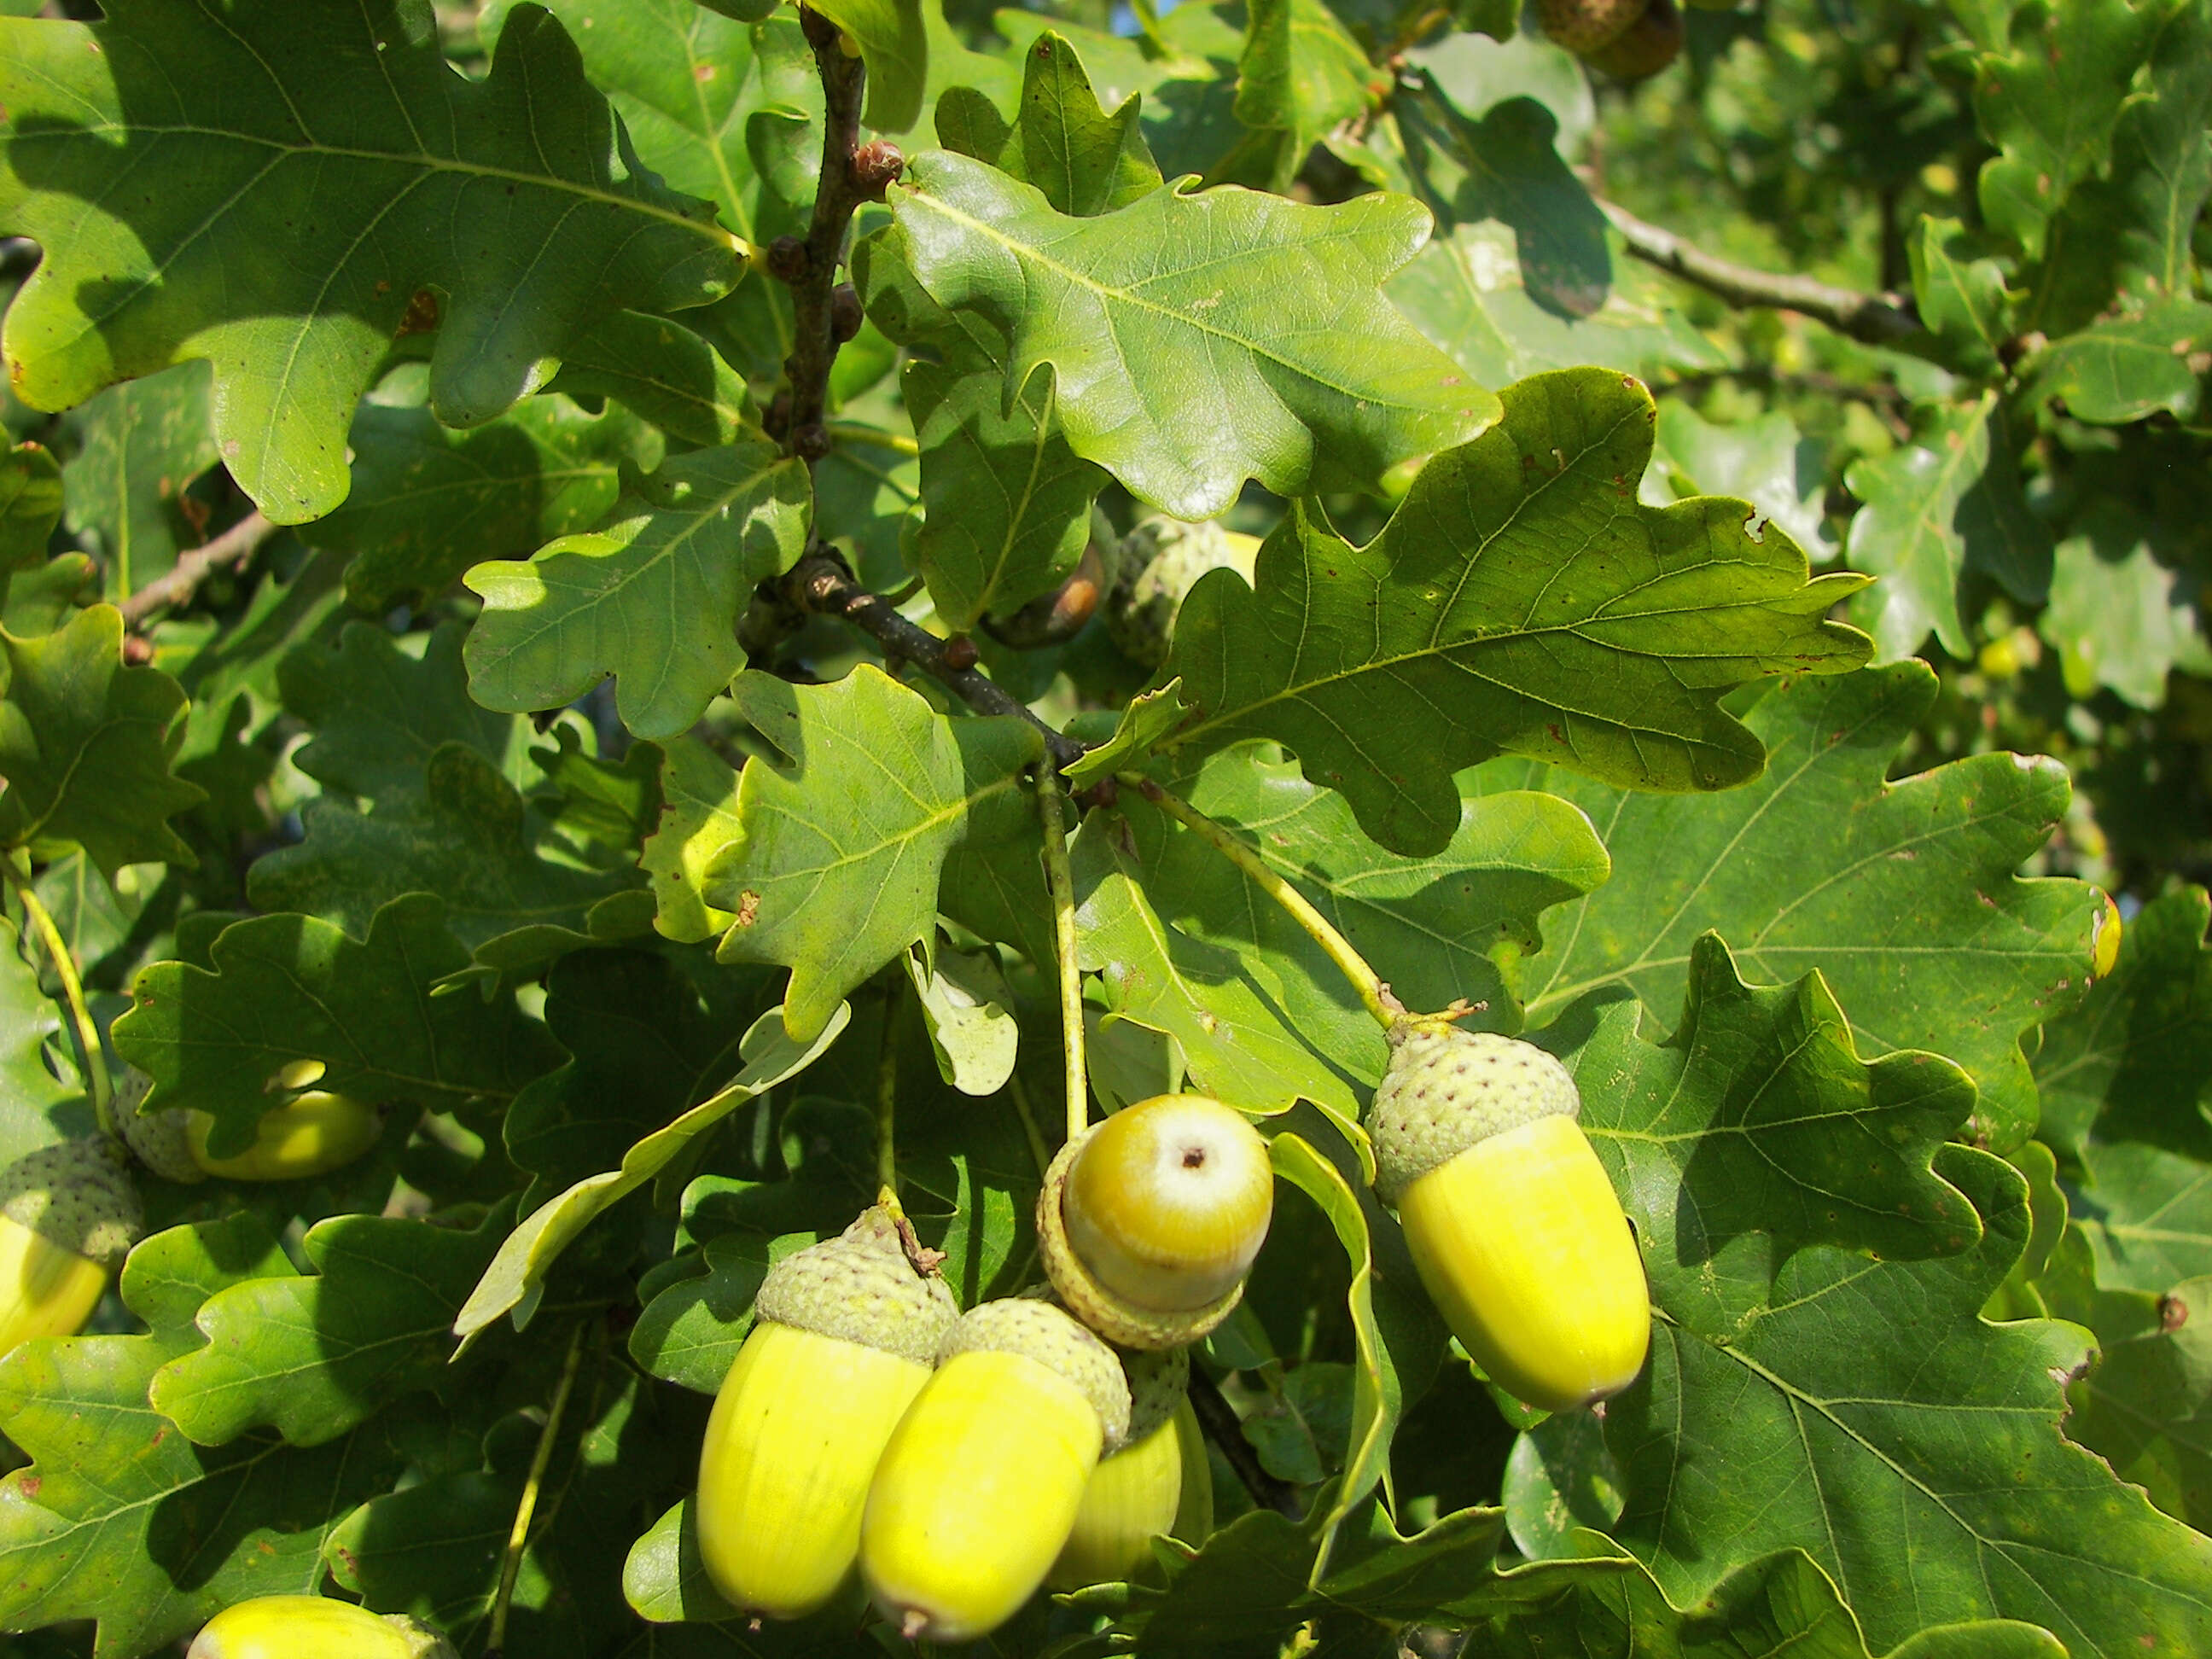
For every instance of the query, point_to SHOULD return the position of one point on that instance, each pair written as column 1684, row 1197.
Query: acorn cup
column 1148, row 1222
column 313, row 1627
column 979, row 1489
column 68, row 1217
column 1155, row 566
column 1158, row 1483
column 846, row 1332
column 1512, row 1223
column 310, row 1134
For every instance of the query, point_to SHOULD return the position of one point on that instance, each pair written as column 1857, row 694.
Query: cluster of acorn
column 1627, row 40
column 960, row 1461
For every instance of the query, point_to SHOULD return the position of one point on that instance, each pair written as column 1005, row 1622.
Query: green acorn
column 845, row 1335
column 1584, row 26
column 1644, row 48
column 159, row 1139
column 1512, row 1222
column 313, row 1627
column 1158, row 1483
column 68, row 1217
column 978, row 1488
column 1147, row 1223
column 1157, row 563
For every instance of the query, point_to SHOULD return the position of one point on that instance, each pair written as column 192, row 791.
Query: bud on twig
column 812, row 441
column 845, row 315
column 876, row 167
column 788, row 259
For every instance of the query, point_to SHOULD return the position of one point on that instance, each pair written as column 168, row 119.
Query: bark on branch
column 233, row 547
column 1874, row 319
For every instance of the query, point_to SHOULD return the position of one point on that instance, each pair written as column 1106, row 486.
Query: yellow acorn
column 979, row 1487
column 1149, row 1221
column 846, row 1333
column 1512, row 1222
column 68, row 1217
column 310, row 1134
column 313, row 1627
column 1152, row 1486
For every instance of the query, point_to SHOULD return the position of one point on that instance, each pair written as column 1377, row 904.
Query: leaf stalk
column 1059, row 881
column 518, row 1535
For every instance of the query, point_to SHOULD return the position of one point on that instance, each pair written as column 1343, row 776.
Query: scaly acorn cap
column 1447, row 1089
column 1158, row 1384
column 1156, row 565
column 159, row 1139
column 862, row 1287
column 78, row 1195
column 1584, row 26
column 1119, row 1321
column 1036, row 1330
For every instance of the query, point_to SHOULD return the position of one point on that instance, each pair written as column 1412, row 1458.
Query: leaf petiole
column 1052, row 809
column 87, row 1030
column 518, row 1535
column 1374, row 996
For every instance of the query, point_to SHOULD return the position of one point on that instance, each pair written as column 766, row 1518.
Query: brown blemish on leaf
column 748, row 908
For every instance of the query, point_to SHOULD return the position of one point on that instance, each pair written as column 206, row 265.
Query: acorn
column 845, row 1333
column 161, row 1140
column 68, row 1217
column 310, row 1134
column 978, row 1488
column 1513, row 1225
column 1149, row 1221
column 1584, row 26
column 1644, row 48
column 313, row 1627
column 1155, row 565
column 1158, row 1483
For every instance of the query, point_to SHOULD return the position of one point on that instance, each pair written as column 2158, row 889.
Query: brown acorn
column 1644, row 48
column 1583, row 26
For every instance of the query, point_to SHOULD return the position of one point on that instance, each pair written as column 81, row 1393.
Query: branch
column 820, row 583
column 1873, row 319
column 838, row 193
column 1226, row 1430
column 233, row 547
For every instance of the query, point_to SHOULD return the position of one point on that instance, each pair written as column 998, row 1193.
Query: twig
column 1017, row 1092
column 1059, row 881
column 1374, row 996
column 820, row 583
column 814, row 346
column 1874, row 319
column 87, row 1030
column 517, row 1536
column 233, row 547
column 1226, row 1430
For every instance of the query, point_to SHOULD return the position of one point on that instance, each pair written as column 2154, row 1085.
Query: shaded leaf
column 39, row 1104
column 895, row 46
column 965, row 1005
column 31, row 495
column 2114, row 373
column 140, row 444
column 1303, row 75
column 1764, row 462
column 2121, row 619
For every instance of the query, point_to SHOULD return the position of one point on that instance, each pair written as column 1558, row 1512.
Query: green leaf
column 359, row 149
column 1188, row 286
column 1959, row 294
column 836, row 865
column 86, row 745
column 1302, row 74
column 516, row 1278
column 286, row 988
column 2147, row 1406
column 690, row 1333
column 1518, row 601
column 313, row 1357
column 2115, row 373
column 1764, row 462
column 1006, row 503
column 1902, row 895
column 38, row 1105
column 139, row 445
column 122, row 1519
column 2122, row 619
column 2049, row 102
column 965, row 1005
column 1947, row 500
column 379, row 713
column 895, row 46
column 1799, row 1386
column 427, row 502
column 698, row 819
column 31, row 495
column 653, row 598
column 463, row 831
column 662, row 372
column 1061, row 139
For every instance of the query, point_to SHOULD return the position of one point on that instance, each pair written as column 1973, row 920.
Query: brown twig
column 820, row 583
column 836, row 195
column 1874, row 319
column 1226, row 1430
column 233, row 547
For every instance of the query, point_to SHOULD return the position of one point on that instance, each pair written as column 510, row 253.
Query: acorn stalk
column 69, row 1215
column 310, row 1134
column 1513, row 1225
column 846, row 1332
column 1152, row 1486
column 978, row 1488
column 1148, row 1222
column 313, row 1627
